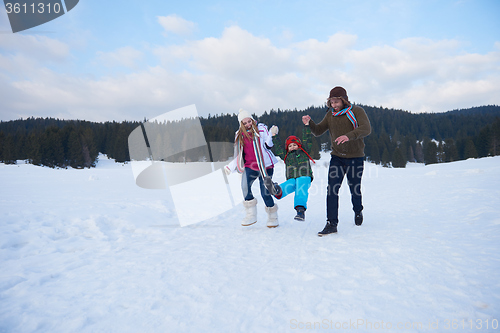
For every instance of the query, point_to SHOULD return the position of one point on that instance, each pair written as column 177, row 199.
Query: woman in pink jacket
column 253, row 159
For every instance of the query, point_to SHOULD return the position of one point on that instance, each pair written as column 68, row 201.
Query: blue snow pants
column 300, row 186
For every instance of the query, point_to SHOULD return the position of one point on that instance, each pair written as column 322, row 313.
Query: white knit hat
column 244, row 114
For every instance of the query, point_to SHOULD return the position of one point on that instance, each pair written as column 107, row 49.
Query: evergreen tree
column 75, row 156
column 403, row 149
column 52, row 148
column 372, row 150
column 89, row 148
column 495, row 138
column 450, row 150
column 120, row 148
column 410, row 142
column 470, row 149
column 398, row 160
column 386, row 158
column 8, row 150
column 430, row 152
column 2, row 145
column 484, row 142
column 35, row 149
column 20, row 151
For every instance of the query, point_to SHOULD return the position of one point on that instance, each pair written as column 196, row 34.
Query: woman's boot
column 251, row 212
column 272, row 216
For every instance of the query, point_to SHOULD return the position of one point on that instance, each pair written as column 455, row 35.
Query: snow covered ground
column 89, row 251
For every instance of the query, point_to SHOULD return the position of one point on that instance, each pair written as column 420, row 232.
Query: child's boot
column 301, row 213
column 272, row 216
column 251, row 212
column 273, row 188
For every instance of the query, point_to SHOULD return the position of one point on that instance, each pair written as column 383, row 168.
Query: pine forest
column 398, row 137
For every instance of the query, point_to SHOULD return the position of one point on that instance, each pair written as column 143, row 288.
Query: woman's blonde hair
column 243, row 133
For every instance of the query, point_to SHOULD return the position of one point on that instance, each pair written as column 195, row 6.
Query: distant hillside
column 397, row 136
column 487, row 109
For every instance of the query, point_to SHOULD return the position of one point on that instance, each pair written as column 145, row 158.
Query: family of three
column 254, row 158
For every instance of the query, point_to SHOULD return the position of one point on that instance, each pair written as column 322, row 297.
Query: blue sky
column 126, row 60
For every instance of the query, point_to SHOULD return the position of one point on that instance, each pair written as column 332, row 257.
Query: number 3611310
column 39, row 8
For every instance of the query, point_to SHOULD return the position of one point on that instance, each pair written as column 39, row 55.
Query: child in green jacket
column 299, row 173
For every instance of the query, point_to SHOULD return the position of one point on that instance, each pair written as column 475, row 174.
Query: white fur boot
column 272, row 216
column 251, row 212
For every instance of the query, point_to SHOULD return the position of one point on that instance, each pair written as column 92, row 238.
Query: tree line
column 397, row 137
column 63, row 143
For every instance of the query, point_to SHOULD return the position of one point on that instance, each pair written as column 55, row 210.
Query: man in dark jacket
column 348, row 125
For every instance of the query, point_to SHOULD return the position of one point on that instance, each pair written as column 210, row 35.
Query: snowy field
column 89, row 251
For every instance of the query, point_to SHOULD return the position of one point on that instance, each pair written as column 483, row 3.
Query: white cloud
column 239, row 69
column 40, row 47
column 313, row 55
column 126, row 56
column 419, row 75
column 236, row 54
column 176, row 24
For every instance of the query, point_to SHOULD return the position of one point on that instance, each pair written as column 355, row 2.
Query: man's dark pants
column 339, row 168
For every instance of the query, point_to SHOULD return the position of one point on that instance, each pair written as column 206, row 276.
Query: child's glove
column 227, row 170
column 274, row 130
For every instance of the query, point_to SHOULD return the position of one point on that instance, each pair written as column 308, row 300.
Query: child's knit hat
column 294, row 139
